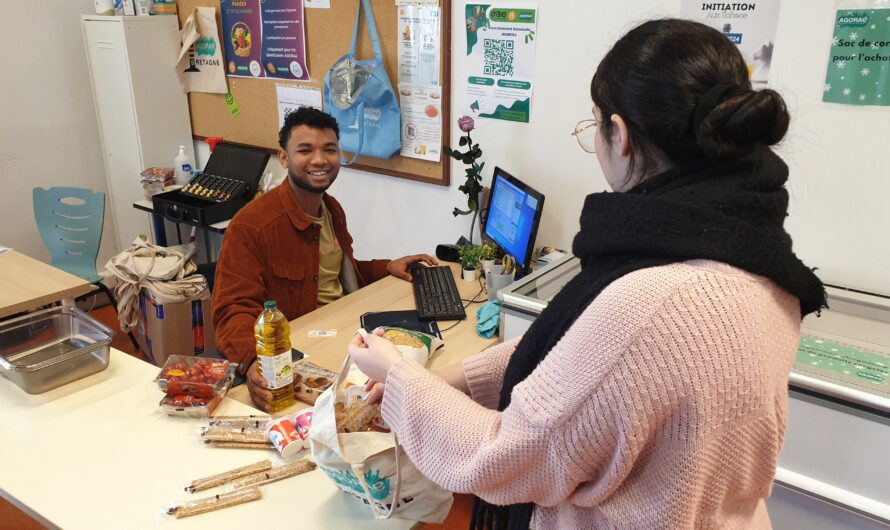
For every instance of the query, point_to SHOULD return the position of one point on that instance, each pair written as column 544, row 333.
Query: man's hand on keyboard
column 399, row 267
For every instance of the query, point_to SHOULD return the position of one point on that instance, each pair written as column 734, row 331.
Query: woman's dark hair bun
column 742, row 123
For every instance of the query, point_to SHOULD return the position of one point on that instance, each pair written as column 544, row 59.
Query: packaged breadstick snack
column 244, row 434
column 216, row 502
column 204, row 483
column 240, row 445
column 277, row 473
column 254, row 421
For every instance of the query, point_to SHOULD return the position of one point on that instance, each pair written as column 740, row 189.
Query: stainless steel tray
column 49, row 348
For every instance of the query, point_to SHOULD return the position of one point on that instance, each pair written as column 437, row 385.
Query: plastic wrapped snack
column 310, row 380
column 228, row 476
column 277, row 473
column 217, row 502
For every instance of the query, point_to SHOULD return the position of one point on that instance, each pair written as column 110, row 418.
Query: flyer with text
column 500, row 60
column 749, row 25
column 419, row 44
column 421, row 121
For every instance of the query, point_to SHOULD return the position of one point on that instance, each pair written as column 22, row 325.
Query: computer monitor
column 514, row 212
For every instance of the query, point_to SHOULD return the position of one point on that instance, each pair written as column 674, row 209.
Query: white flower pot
column 487, row 264
column 469, row 275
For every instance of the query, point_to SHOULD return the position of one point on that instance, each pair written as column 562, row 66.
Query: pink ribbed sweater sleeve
column 485, row 372
column 663, row 406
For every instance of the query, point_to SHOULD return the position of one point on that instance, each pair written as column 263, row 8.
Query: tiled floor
column 11, row 518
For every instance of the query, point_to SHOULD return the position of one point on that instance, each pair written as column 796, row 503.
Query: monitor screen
column 514, row 211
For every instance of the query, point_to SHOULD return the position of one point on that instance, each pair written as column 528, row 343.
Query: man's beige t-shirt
column 330, row 258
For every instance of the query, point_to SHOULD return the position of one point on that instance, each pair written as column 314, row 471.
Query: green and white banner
column 856, row 366
column 859, row 63
column 500, row 60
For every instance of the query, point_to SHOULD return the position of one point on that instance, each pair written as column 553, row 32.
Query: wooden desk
column 388, row 294
column 26, row 283
column 99, row 453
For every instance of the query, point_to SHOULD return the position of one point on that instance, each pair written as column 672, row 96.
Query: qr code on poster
column 498, row 57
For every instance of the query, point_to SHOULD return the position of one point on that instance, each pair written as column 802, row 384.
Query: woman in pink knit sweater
column 652, row 391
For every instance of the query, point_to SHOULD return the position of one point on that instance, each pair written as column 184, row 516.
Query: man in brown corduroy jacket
column 291, row 245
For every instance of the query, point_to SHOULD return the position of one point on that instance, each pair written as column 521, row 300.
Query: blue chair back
column 71, row 230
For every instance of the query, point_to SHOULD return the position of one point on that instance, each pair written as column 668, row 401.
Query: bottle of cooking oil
column 273, row 353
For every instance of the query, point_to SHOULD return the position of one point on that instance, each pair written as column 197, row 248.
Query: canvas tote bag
column 360, row 97
column 372, row 465
column 200, row 64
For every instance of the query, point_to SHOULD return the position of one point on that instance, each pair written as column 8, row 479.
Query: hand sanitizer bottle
column 182, row 167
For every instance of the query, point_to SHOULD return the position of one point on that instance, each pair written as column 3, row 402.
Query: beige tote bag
column 372, row 466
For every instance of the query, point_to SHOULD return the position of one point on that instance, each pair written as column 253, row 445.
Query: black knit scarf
column 727, row 212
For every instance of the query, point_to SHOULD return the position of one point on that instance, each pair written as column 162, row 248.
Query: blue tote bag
column 359, row 95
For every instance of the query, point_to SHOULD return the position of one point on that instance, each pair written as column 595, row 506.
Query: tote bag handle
column 344, row 370
column 372, row 29
column 360, row 113
column 396, row 493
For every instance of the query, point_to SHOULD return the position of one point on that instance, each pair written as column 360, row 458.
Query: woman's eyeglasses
column 585, row 132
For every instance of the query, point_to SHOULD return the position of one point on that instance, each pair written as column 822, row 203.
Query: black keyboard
column 435, row 294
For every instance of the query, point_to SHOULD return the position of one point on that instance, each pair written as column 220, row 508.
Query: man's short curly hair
column 309, row 117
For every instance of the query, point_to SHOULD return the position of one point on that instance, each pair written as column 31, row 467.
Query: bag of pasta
column 413, row 344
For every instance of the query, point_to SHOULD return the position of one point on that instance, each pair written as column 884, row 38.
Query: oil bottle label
column 276, row 370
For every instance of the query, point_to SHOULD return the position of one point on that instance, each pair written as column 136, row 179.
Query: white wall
column 839, row 185
column 48, row 131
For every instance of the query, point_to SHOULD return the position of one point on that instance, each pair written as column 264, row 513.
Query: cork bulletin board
column 328, row 35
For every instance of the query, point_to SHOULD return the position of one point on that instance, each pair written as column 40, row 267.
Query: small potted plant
column 488, row 253
column 469, row 261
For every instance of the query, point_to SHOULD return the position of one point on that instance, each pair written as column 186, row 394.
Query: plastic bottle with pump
column 272, row 333
column 182, row 167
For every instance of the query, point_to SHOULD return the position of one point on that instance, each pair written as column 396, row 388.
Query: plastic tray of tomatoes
column 193, row 385
column 195, row 376
column 189, row 406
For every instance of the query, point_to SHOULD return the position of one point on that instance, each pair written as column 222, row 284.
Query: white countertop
column 99, row 453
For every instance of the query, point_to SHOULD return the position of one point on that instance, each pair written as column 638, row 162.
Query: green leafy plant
column 469, row 256
column 473, row 185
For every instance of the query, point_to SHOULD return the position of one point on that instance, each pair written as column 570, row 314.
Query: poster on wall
column 858, row 71
column 500, row 60
column 749, row 25
column 242, row 29
column 284, row 39
column 420, row 95
column 419, row 44
column 265, row 38
column 293, row 97
column 421, row 107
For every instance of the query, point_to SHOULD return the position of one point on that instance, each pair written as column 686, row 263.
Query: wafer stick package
column 228, row 476
column 217, row 502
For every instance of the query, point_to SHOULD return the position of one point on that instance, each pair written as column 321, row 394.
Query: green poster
column 500, row 60
column 859, row 63
column 850, row 364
